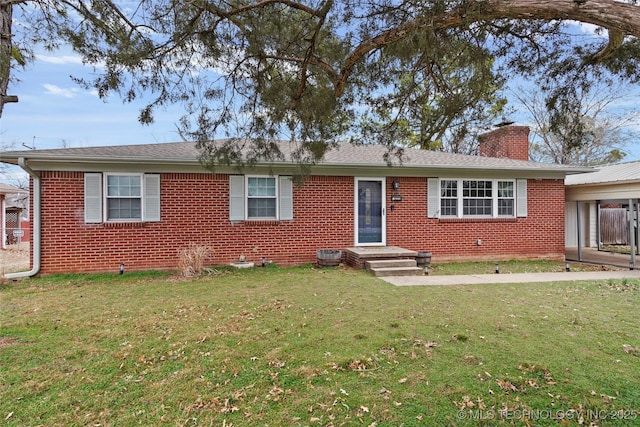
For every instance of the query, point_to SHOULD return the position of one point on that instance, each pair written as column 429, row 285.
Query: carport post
column 3, row 227
column 598, row 230
column 632, row 236
column 637, row 226
column 579, row 227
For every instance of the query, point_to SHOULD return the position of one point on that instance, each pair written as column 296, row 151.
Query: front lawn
column 312, row 347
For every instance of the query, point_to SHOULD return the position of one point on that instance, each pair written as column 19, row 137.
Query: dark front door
column 370, row 212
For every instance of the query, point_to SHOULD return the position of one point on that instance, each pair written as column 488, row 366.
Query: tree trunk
column 6, row 12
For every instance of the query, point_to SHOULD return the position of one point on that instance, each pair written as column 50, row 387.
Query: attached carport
column 586, row 194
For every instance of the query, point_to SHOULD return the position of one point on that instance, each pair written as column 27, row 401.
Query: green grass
column 313, row 347
column 506, row 267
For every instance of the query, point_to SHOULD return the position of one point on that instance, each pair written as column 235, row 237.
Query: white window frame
column 275, row 198
column 456, row 190
column 461, row 198
column 105, row 192
column 239, row 199
column 96, row 197
column 492, row 199
column 512, row 198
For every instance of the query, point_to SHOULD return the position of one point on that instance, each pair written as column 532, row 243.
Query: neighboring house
column 602, row 206
column 95, row 208
column 10, row 214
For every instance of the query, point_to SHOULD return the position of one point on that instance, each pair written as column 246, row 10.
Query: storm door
column 370, row 227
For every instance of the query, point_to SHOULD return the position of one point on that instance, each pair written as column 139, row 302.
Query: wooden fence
column 614, row 226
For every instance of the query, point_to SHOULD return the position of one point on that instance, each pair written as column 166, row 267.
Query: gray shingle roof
column 178, row 151
column 619, row 173
column 345, row 155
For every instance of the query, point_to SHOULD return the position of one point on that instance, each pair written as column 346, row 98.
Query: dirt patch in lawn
column 14, row 258
column 7, row 341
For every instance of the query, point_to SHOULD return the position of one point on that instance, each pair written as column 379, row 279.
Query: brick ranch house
column 95, row 208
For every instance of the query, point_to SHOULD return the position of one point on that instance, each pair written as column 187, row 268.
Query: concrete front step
column 386, row 263
column 397, row 271
column 357, row 256
column 393, row 267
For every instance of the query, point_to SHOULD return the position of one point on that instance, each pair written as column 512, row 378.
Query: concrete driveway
column 594, row 256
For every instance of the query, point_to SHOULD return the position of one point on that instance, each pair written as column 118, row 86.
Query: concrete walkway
column 476, row 279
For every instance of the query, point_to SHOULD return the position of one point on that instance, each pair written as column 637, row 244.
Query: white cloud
column 59, row 91
column 590, row 29
column 61, row 59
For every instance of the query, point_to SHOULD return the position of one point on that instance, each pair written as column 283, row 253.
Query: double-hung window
column 506, row 198
column 477, row 198
column 121, row 197
column 260, row 198
column 124, row 197
column 449, row 197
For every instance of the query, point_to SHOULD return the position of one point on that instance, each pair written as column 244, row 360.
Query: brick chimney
column 510, row 142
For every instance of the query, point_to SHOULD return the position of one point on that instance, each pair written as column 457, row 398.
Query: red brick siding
column 540, row 234
column 506, row 142
column 194, row 209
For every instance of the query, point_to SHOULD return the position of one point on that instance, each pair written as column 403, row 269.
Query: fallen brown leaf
column 506, row 385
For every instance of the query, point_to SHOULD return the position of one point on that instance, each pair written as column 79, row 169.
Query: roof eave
column 77, row 163
column 604, row 183
column 557, row 170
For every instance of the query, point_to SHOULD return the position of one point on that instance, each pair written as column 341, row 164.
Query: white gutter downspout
column 35, row 215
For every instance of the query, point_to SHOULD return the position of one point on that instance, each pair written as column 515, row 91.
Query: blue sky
column 53, row 111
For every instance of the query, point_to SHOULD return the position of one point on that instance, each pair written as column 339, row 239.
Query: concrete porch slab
column 358, row 255
column 381, row 251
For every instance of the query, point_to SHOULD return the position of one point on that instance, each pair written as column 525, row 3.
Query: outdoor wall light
column 395, row 197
